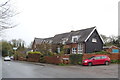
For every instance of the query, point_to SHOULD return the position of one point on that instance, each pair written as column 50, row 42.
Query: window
column 94, row 40
column 58, row 50
column 91, row 57
column 97, row 58
column 74, row 50
column 80, row 48
column 64, row 40
column 75, row 38
column 103, row 57
column 50, row 41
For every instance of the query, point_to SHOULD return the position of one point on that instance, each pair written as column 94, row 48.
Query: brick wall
column 57, row 59
column 21, row 59
column 113, row 56
column 33, row 57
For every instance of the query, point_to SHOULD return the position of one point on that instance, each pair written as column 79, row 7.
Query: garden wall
column 21, row 59
column 57, row 59
column 113, row 56
column 33, row 57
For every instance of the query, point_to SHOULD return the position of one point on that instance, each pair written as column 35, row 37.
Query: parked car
column 11, row 57
column 96, row 60
column 7, row 58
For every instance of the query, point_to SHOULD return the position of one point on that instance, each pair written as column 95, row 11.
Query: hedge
column 115, row 61
column 76, row 58
column 36, row 52
column 102, row 52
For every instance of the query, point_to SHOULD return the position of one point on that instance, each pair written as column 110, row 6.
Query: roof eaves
column 90, row 34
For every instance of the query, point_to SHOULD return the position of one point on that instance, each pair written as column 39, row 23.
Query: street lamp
column 15, row 48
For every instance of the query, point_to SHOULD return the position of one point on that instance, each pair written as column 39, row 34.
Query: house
column 80, row 41
column 38, row 41
column 112, row 49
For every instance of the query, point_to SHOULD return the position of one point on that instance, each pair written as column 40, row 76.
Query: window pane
column 94, row 40
column 97, row 57
column 103, row 57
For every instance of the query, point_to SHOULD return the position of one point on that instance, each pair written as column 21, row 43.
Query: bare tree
column 6, row 14
column 44, row 47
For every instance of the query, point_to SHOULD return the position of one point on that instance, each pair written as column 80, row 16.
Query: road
column 0, row 67
column 21, row 69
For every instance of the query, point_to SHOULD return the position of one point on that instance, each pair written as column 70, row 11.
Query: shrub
column 115, row 61
column 76, row 58
column 50, row 54
column 36, row 52
column 42, row 59
column 102, row 52
column 61, row 64
column 18, row 55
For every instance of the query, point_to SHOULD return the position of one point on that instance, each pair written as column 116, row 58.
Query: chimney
column 72, row 30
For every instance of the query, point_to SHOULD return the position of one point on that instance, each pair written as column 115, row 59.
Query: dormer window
column 75, row 39
column 94, row 40
column 64, row 40
column 50, row 41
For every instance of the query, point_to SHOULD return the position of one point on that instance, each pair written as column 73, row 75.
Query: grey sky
column 119, row 18
column 45, row 18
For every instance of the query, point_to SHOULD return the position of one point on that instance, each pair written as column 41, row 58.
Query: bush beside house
column 54, row 58
column 76, row 59
column 33, row 56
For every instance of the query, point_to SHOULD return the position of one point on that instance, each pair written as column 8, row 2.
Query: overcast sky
column 46, row 18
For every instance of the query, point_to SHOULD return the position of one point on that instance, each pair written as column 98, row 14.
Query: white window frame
column 94, row 40
column 74, row 50
column 50, row 41
column 73, row 37
column 58, row 49
column 64, row 40
column 80, row 48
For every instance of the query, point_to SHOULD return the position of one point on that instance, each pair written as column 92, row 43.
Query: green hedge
column 36, row 52
column 101, row 52
column 76, row 58
column 115, row 61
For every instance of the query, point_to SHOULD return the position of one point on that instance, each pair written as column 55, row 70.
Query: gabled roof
column 58, row 38
column 83, row 34
column 38, row 40
column 41, row 40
